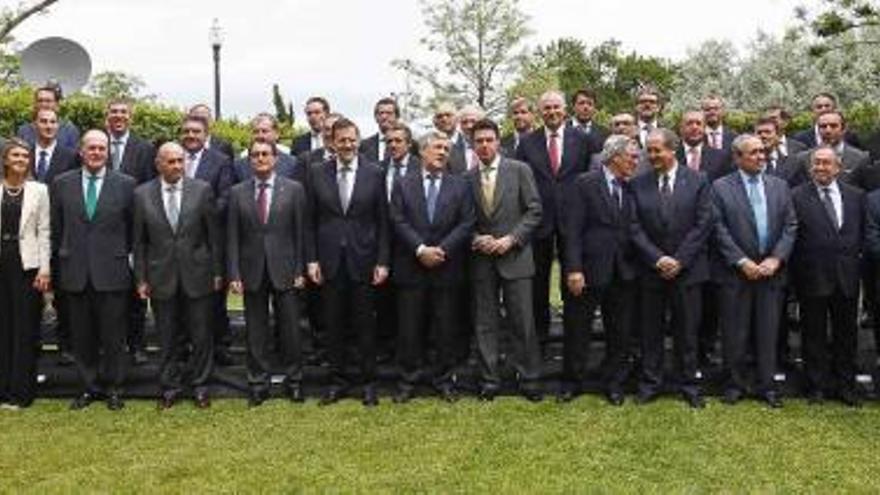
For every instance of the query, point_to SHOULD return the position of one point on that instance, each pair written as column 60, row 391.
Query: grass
column 506, row 446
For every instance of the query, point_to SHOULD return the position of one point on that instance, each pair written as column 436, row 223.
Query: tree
column 11, row 18
column 710, row 68
column 116, row 84
column 840, row 24
column 480, row 45
column 283, row 111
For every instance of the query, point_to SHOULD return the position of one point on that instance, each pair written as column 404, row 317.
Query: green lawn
column 506, row 446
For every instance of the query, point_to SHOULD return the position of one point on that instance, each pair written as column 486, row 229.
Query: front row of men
column 638, row 247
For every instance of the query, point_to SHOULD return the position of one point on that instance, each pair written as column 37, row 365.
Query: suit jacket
column 34, row 228
column 808, row 137
column 457, row 156
column 63, row 159
column 683, row 236
column 713, row 163
column 516, row 211
column 68, row 134
column 191, row 256
column 597, row 236
column 872, row 226
column 789, row 170
column 359, row 237
column 221, row 145
column 92, row 251
column 301, row 144
column 286, row 166
column 824, row 257
column 138, row 159
column 413, row 166
column 314, row 156
column 451, row 229
column 553, row 189
column 216, row 169
column 853, row 160
column 597, row 135
column 727, row 138
column 370, row 148
column 736, row 234
column 277, row 247
column 793, row 146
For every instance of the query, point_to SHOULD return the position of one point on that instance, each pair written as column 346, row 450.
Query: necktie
column 615, row 192
column 713, row 139
column 41, row 166
column 398, row 169
column 488, row 188
column 190, row 165
column 665, row 198
column 553, row 151
column 172, row 210
column 91, row 196
column 263, row 202
column 829, row 207
column 759, row 210
column 116, row 153
column 344, row 188
column 694, row 158
column 432, row 196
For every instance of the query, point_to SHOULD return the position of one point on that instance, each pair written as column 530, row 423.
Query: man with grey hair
column 670, row 234
column 755, row 229
column 462, row 157
column 557, row 155
column 522, row 116
column 432, row 214
column 600, row 267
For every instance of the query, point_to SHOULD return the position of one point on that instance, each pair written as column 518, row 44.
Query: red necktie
column 553, row 151
column 694, row 158
column 263, row 203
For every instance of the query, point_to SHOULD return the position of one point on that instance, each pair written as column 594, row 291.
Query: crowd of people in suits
column 441, row 247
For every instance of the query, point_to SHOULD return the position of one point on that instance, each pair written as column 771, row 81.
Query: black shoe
column 850, row 397
column 167, row 400
column 815, row 397
column 371, row 399
column 615, row 397
column 139, row 356
column 295, row 394
column 449, row 394
column 330, row 396
column 114, row 402
column 222, row 357
column 256, row 398
column 732, row 396
column 83, row 401
column 566, row 394
column 65, row 358
column 533, row 395
column 646, row 397
column 487, row 394
column 695, row 400
column 202, row 400
column 403, row 396
column 773, row 400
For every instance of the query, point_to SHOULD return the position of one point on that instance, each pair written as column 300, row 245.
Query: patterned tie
column 172, row 210
column 553, row 151
column 116, row 153
column 829, row 207
column 42, row 164
column 488, row 186
column 91, row 196
column 344, row 187
column 263, row 202
column 759, row 210
column 433, row 190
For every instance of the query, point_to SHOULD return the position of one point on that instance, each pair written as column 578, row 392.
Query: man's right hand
column 314, row 272
column 431, row 256
column 751, row 270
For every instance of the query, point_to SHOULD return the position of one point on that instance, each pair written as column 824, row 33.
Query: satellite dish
column 57, row 60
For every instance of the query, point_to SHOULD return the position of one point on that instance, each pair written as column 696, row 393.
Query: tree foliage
column 11, row 18
column 283, row 111
column 117, row 84
column 840, row 24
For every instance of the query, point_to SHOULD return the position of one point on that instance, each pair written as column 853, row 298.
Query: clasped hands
column 493, row 246
column 757, row 271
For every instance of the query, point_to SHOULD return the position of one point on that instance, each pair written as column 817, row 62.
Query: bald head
column 93, row 150
column 170, row 162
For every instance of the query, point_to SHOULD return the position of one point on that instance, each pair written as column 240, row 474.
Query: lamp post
column 216, row 37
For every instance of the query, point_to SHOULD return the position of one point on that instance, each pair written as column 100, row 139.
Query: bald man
column 178, row 265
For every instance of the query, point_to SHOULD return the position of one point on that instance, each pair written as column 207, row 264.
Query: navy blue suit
column 63, row 159
column 68, row 134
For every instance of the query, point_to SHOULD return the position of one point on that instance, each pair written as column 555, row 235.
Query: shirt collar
column 558, row 132
column 833, row 187
column 353, row 165
column 270, row 181
column 177, row 185
column 492, row 166
column 123, row 138
column 748, row 177
column 100, row 174
column 49, row 149
column 608, row 175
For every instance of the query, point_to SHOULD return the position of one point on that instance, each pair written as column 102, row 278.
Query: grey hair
column 670, row 139
column 553, row 93
column 430, row 137
column 740, row 141
column 614, row 146
column 824, row 147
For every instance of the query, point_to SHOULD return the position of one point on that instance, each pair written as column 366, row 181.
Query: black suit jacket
column 872, row 226
column 727, row 138
column 457, row 156
column 369, row 148
column 597, row 135
column 277, row 247
column 808, row 137
column 714, row 163
column 301, row 144
column 189, row 257
column 359, row 238
column 824, row 257
column 684, row 236
column 554, row 189
column 95, row 251
column 597, row 236
column 216, row 169
column 451, row 229
column 63, row 159
column 221, row 146
column 138, row 159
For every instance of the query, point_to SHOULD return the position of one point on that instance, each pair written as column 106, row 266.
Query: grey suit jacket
column 276, row 247
column 516, row 211
column 92, row 251
column 736, row 233
column 852, row 158
column 189, row 257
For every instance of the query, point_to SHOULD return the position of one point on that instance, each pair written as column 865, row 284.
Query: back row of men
column 644, row 224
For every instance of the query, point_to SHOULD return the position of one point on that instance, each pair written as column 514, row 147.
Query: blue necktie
column 41, row 166
column 759, row 209
column 432, row 196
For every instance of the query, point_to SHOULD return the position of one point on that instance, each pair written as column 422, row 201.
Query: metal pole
column 216, row 48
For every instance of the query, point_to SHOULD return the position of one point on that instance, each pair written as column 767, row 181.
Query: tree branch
column 17, row 19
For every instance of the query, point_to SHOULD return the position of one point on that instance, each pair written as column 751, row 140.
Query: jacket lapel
column 739, row 191
column 158, row 203
column 330, row 176
column 28, row 204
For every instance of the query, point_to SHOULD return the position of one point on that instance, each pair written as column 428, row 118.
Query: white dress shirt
column 836, row 199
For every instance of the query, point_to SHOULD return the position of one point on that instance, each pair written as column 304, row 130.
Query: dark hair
column 387, row 101
column 343, row 123
column 51, row 87
column 271, row 145
column 587, row 93
column 783, row 113
column 265, row 116
column 484, row 125
column 400, row 126
column 824, row 94
column 319, row 99
column 766, row 121
column 838, row 113
column 194, row 118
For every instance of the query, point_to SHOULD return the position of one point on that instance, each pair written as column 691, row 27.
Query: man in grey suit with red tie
column 755, row 229
column 672, row 227
column 432, row 212
column 178, row 265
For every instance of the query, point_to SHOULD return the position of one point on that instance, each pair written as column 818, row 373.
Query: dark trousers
column 708, row 334
column 421, row 309
column 349, row 302
column 617, row 302
column 830, row 358
column 219, row 321
column 748, row 307
column 181, row 320
column 19, row 329
column 684, row 303
column 137, row 321
column 517, row 296
column 387, row 320
column 98, row 329
column 259, row 334
column 544, row 251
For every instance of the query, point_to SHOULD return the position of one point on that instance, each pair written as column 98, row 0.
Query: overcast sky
column 343, row 49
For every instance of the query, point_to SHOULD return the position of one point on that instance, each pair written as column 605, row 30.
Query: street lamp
column 216, row 36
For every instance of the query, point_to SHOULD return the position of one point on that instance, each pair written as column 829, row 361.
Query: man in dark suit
column 584, row 104
column 212, row 141
column 777, row 163
column 523, row 117
column 557, row 155
column 48, row 97
column 825, row 268
column 349, row 256
column 91, row 244
column 508, row 215
column 325, row 152
column 266, row 259
column 386, row 112
column 820, row 104
column 317, row 108
column 718, row 137
column 673, row 223
column 600, row 267
column 178, row 264
column 781, row 117
column 432, row 212
column 648, row 108
column 856, row 164
column 264, row 129
column 755, row 229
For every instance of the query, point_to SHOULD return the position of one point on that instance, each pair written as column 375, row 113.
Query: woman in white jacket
column 24, row 274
